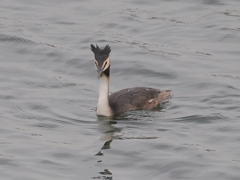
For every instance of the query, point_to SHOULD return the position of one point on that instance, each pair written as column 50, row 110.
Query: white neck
column 103, row 107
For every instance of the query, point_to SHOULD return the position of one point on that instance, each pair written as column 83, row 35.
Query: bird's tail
column 164, row 95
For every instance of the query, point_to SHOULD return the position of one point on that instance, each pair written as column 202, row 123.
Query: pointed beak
column 99, row 72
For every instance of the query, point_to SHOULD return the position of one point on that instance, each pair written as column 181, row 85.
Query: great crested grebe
column 130, row 99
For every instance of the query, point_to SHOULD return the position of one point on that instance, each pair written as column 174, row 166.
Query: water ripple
column 15, row 39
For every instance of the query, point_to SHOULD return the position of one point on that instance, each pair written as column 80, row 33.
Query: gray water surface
column 49, row 89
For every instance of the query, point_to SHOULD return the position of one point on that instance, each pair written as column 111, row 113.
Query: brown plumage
column 137, row 98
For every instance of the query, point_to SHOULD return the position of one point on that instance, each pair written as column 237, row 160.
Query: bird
column 130, row 99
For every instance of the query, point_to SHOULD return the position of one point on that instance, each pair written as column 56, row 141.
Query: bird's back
column 138, row 98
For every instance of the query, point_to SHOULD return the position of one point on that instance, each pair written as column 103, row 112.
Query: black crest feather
column 100, row 52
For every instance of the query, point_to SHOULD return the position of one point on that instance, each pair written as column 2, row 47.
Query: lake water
column 49, row 89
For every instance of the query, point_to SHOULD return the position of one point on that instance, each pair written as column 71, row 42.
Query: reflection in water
column 107, row 129
column 106, row 172
column 105, row 146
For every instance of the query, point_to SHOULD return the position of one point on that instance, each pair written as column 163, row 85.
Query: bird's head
column 102, row 59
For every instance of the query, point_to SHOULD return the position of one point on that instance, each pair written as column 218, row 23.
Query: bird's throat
column 103, row 107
